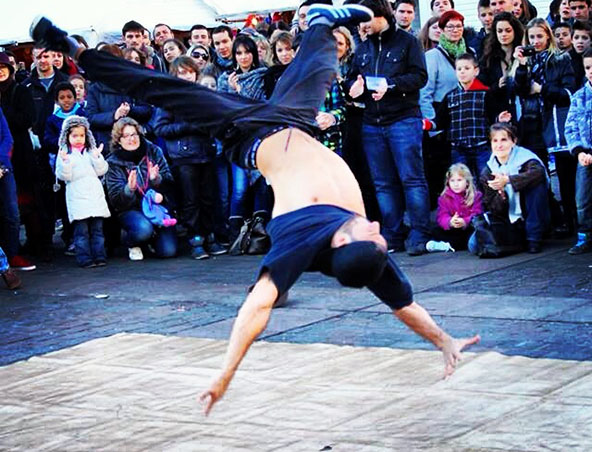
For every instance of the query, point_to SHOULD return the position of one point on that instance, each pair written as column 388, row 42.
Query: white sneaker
column 433, row 247
column 135, row 253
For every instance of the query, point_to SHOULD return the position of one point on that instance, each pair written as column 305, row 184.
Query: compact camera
column 528, row 51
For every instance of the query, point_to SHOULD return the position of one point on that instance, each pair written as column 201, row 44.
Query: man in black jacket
column 387, row 73
column 41, row 85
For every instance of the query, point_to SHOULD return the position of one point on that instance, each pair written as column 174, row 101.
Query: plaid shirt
column 334, row 104
column 464, row 115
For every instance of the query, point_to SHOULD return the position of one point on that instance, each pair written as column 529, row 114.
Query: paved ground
column 538, row 307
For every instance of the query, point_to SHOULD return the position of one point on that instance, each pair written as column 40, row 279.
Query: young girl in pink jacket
column 457, row 205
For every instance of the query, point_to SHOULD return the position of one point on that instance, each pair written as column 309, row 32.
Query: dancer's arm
column 420, row 321
column 251, row 321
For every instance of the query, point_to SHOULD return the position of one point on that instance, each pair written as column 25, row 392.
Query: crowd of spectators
column 470, row 128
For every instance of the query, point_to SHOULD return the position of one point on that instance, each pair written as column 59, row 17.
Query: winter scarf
column 454, row 49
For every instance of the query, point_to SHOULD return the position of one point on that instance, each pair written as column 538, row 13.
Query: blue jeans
column 222, row 198
column 9, row 215
column 89, row 240
column 535, row 210
column 474, row 157
column 396, row 166
column 584, row 198
column 139, row 231
column 3, row 261
column 242, row 179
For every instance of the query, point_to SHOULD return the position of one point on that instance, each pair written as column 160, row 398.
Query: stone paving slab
column 137, row 392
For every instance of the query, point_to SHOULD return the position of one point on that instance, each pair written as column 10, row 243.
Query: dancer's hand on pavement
column 357, row 89
column 325, row 120
column 132, row 180
column 215, row 392
column 452, row 349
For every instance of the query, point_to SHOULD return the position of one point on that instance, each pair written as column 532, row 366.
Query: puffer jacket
column 120, row 197
column 101, row 104
column 185, row 141
column 578, row 126
column 555, row 96
column 397, row 56
column 85, row 197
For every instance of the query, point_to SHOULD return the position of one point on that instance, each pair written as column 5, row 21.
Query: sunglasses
column 203, row 56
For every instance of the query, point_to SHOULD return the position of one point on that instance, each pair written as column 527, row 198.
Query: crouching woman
column 515, row 190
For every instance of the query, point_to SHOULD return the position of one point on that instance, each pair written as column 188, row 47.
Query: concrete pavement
column 122, row 373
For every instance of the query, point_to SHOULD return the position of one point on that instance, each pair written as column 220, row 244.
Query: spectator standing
column 562, row 32
column 581, row 39
column 17, row 105
column 501, row 6
column 545, row 82
column 222, row 40
column 387, row 74
column 133, row 36
column 80, row 164
column 439, row 7
column 485, row 15
column 192, row 164
column 41, row 85
column 429, row 35
column 405, row 15
column 441, row 80
column 161, row 33
column 580, row 10
column 171, row 49
column 578, row 131
column 199, row 34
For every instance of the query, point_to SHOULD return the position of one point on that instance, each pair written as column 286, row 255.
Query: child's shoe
column 20, row 263
column 135, row 253
column 336, row 16
column 11, row 279
column 433, row 247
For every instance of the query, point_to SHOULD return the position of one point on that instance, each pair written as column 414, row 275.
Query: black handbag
column 496, row 238
column 252, row 238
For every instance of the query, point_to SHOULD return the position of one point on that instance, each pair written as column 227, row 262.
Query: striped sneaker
column 335, row 16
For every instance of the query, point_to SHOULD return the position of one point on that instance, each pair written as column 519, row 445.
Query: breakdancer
column 319, row 222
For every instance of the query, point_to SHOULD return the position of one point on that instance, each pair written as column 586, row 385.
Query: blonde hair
column 463, row 171
column 542, row 23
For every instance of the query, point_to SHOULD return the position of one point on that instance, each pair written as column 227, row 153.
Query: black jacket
column 120, row 197
column 101, row 104
column 185, row 141
column 19, row 110
column 43, row 100
column 397, row 56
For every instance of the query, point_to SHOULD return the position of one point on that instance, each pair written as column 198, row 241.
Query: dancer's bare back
column 303, row 172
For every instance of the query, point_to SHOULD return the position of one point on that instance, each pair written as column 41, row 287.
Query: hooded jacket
column 85, row 197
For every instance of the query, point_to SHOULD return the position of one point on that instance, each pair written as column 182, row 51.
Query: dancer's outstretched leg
column 210, row 109
column 305, row 83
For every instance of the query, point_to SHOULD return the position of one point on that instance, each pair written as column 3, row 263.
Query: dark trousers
column 139, row 231
column 195, row 196
column 237, row 121
column 9, row 215
column 89, row 241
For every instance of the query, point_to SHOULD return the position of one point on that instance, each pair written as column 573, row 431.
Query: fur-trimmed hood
column 76, row 121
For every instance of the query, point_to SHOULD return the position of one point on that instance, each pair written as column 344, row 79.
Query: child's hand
column 504, row 116
column 132, row 180
column 97, row 151
column 457, row 222
column 64, row 156
column 153, row 171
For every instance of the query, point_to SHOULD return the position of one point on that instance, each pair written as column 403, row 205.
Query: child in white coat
column 80, row 164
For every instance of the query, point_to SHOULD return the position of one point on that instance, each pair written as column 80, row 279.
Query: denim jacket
column 578, row 126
